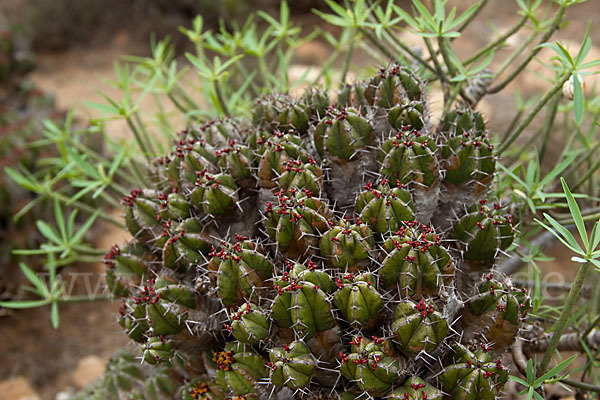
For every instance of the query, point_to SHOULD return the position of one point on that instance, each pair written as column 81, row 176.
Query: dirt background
column 48, row 359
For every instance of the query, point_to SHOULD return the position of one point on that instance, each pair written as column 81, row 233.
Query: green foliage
column 534, row 383
column 289, row 277
column 588, row 253
column 576, row 68
column 437, row 24
column 303, row 163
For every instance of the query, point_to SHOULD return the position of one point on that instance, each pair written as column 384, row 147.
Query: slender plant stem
column 136, row 170
column 581, row 385
column 584, row 212
column 89, row 209
column 547, row 34
column 181, row 92
column 90, row 251
column 513, row 124
column 444, row 47
column 118, row 188
column 588, row 174
column 566, row 314
column 445, row 51
column 109, row 199
column 83, row 298
column 332, row 58
column 347, row 59
column 591, row 183
column 590, row 329
column 399, row 56
column 408, row 50
column 274, row 62
column 142, row 125
column 263, row 71
column 592, row 326
column 539, row 105
column 511, row 265
column 588, row 154
column 468, row 21
column 596, row 307
column 375, row 42
column 511, row 59
column 176, row 103
column 138, row 138
column 548, row 126
column 497, row 42
column 588, row 217
column 438, row 68
column 220, row 98
column 102, row 160
column 327, row 65
column 244, row 72
column 586, row 291
column 161, row 120
column 369, row 50
column 453, row 94
column 519, row 357
column 88, row 259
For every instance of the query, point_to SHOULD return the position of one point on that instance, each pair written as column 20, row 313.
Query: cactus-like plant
column 352, row 279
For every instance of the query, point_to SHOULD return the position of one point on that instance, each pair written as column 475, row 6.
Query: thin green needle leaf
column 42, row 250
column 84, row 165
column 48, row 232
column 85, row 227
column 555, row 371
column 341, row 11
column 18, row 305
column 512, row 175
column 228, row 63
column 406, row 17
column 558, row 169
column 35, row 280
column 87, row 189
column 576, row 213
column 22, row 181
column 565, row 236
column 26, row 209
column 71, row 223
column 578, row 99
column 595, row 236
column 466, row 15
column 518, row 380
column 60, row 220
column 103, row 108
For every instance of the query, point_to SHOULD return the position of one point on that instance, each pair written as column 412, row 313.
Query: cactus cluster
column 325, row 249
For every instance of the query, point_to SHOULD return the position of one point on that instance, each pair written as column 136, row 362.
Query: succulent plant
column 418, row 327
column 415, row 388
column 371, row 365
column 292, row 366
column 23, row 108
column 356, row 277
column 473, row 374
column 124, row 377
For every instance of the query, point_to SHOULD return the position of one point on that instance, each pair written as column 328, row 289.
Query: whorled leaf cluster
column 23, row 107
column 329, row 248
